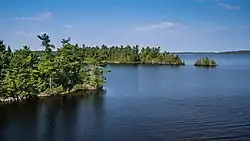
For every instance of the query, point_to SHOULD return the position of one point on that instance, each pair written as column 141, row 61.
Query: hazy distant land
column 224, row 52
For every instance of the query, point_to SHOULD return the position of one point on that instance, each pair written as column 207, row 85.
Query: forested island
column 205, row 62
column 131, row 55
column 25, row 73
column 128, row 55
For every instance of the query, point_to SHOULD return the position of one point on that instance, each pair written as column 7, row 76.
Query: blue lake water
column 144, row 103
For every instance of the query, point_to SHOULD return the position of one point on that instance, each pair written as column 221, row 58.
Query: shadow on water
column 53, row 118
column 18, row 115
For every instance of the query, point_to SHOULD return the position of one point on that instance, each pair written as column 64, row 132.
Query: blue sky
column 174, row 25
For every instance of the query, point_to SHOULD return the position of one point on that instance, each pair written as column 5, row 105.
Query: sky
column 174, row 25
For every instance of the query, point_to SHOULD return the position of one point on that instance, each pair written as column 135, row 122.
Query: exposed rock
column 87, row 88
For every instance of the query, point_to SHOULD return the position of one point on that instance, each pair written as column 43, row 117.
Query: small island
column 205, row 62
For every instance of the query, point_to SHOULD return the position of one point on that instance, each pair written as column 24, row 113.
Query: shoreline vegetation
column 26, row 74
column 205, row 62
column 53, row 92
column 127, row 55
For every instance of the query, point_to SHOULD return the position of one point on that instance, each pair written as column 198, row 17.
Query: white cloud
column 229, row 6
column 22, row 33
column 68, row 26
column 162, row 25
column 39, row 17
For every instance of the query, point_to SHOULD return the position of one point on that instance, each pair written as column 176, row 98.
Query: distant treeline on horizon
column 223, row 52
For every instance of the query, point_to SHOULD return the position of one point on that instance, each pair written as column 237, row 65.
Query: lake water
column 144, row 103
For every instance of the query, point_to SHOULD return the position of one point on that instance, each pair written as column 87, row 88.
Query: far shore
column 222, row 52
column 140, row 63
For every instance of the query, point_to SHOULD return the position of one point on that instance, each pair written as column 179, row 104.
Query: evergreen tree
column 65, row 41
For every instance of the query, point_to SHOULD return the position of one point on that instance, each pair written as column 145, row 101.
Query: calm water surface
column 144, row 103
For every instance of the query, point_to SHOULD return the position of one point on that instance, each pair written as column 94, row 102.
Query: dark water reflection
column 143, row 103
column 55, row 118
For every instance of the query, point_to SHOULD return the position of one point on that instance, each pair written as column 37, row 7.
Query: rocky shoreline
column 148, row 63
column 46, row 94
column 12, row 99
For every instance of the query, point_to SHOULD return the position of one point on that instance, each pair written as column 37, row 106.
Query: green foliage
column 5, row 57
column 69, row 63
column 130, row 55
column 206, row 62
column 55, row 90
column 24, row 73
column 65, row 41
column 22, row 78
column 46, row 43
column 95, row 78
column 69, row 68
column 78, row 87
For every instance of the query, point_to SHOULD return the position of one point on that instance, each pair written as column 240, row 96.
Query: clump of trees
column 131, row 55
column 25, row 73
column 205, row 62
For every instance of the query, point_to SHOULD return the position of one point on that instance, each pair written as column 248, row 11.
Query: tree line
column 26, row 73
column 131, row 55
column 128, row 55
column 205, row 62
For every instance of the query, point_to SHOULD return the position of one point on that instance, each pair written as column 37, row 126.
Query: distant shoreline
column 223, row 52
column 186, row 52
